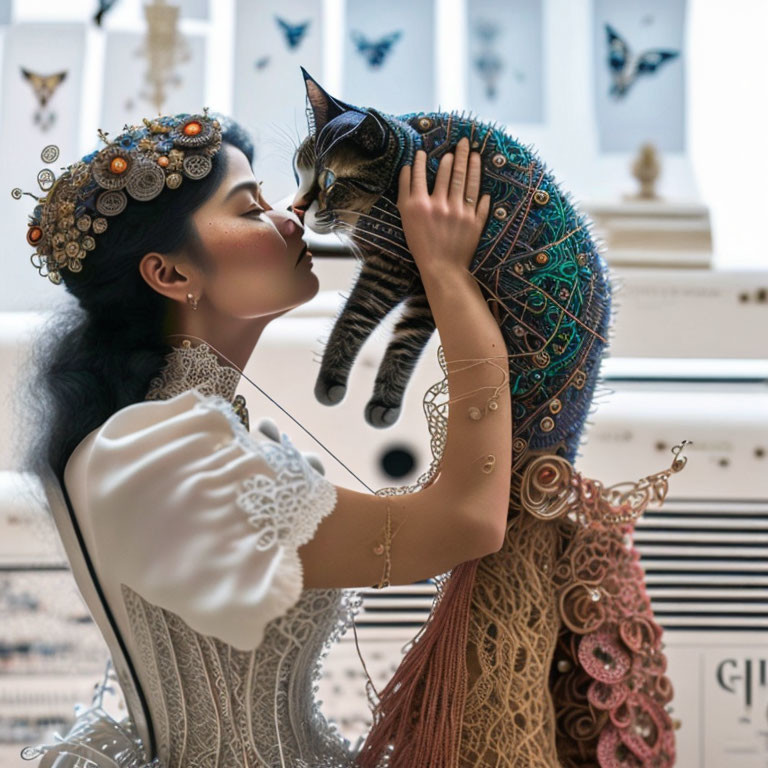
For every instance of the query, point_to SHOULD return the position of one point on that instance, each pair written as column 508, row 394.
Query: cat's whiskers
column 357, row 251
column 377, row 244
column 342, row 227
column 284, row 131
column 383, row 210
column 377, row 235
column 378, row 247
column 278, row 141
column 299, row 138
column 372, row 218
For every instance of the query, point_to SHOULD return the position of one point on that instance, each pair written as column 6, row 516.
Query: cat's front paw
column 329, row 392
column 379, row 415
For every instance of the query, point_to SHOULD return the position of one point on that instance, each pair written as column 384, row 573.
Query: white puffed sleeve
column 199, row 517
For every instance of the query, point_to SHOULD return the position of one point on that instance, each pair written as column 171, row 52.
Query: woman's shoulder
column 186, row 407
column 150, row 420
column 183, row 433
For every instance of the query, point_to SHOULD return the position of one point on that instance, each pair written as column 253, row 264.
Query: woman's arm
column 462, row 515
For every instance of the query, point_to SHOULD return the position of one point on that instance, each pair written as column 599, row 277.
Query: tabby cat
column 548, row 679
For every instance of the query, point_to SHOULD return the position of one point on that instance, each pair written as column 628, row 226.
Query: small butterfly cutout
column 626, row 68
column 375, row 51
column 293, row 33
column 44, row 86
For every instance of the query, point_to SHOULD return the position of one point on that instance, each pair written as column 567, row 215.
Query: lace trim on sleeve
column 289, row 507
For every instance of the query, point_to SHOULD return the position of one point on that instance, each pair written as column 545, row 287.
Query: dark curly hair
column 98, row 354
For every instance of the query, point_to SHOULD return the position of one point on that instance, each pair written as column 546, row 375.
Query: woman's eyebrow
column 252, row 185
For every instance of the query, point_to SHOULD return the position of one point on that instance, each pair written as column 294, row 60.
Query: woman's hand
column 443, row 229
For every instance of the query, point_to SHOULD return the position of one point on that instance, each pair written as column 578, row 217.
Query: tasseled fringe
column 417, row 721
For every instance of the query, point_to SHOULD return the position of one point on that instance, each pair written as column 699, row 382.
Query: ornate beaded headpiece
column 141, row 162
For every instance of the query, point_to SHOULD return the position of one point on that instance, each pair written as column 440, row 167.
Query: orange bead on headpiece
column 118, row 165
column 139, row 164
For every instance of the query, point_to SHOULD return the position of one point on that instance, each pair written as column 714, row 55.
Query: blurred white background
column 689, row 359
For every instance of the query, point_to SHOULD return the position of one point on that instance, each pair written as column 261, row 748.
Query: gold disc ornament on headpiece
column 139, row 164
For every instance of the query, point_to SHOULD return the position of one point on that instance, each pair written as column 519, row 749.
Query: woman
column 210, row 558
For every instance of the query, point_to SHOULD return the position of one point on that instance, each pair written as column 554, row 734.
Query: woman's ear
column 169, row 277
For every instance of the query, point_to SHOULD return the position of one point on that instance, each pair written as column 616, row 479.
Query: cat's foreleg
column 379, row 289
column 410, row 336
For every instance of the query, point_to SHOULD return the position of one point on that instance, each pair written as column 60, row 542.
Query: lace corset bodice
column 206, row 584
column 214, row 705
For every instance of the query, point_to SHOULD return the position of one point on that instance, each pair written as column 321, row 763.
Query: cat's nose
column 299, row 206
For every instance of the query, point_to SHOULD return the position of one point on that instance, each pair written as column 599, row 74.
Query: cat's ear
column 324, row 106
column 372, row 132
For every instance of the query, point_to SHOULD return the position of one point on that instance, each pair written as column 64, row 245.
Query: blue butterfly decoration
column 626, row 68
column 105, row 6
column 294, row 33
column 375, row 51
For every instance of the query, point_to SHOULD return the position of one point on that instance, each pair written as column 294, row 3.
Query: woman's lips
column 304, row 251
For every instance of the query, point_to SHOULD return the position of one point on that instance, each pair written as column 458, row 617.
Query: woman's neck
column 231, row 339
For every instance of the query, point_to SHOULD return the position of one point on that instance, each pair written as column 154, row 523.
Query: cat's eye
column 327, row 180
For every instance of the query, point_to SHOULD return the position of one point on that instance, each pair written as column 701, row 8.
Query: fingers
column 484, row 208
column 443, row 176
column 459, row 177
column 404, row 183
column 472, row 191
column 419, row 173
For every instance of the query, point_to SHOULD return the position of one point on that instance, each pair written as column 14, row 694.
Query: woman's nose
column 288, row 224
column 299, row 211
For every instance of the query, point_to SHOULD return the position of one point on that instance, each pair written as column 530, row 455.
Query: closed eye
column 254, row 211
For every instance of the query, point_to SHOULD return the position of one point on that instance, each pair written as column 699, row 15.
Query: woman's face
column 252, row 250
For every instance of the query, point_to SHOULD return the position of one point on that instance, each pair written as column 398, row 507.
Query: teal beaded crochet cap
column 537, row 264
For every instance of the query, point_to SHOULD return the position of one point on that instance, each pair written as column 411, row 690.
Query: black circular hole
column 398, row 461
